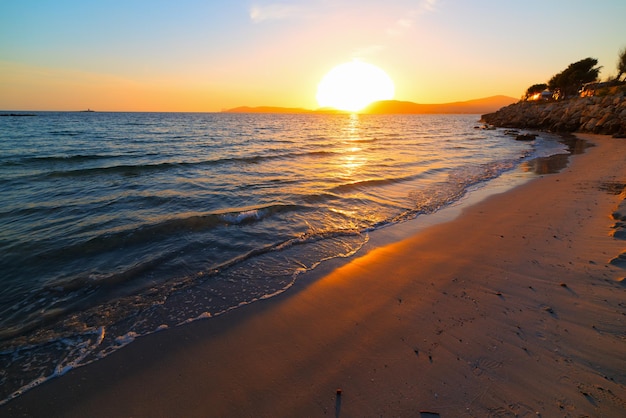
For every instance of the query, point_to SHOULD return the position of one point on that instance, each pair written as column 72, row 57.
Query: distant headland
column 389, row 107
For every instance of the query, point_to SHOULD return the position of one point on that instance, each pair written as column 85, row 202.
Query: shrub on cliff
column 621, row 63
column 534, row 90
column 570, row 80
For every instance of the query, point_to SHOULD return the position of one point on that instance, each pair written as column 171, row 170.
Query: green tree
column 570, row 80
column 621, row 63
column 534, row 89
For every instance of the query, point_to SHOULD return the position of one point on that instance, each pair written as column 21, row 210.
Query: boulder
column 603, row 115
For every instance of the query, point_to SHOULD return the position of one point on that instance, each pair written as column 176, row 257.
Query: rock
column 525, row 137
column 619, row 234
column 600, row 115
column 590, row 125
column 619, row 261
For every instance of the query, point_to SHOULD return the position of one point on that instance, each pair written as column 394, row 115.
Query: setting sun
column 354, row 85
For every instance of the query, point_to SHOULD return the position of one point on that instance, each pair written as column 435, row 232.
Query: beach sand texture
column 512, row 309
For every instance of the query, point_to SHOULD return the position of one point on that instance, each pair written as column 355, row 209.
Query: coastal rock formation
column 619, row 216
column 596, row 114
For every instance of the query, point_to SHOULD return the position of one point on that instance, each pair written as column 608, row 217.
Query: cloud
column 405, row 23
column 276, row 11
column 399, row 27
column 429, row 5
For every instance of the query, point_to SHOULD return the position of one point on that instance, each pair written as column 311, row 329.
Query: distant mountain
column 477, row 106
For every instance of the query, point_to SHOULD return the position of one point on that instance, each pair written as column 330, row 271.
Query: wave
column 260, row 158
column 322, row 197
column 70, row 158
column 72, row 207
column 139, row 234
column 367, row 183
column 67, row 132
column 361, row 140
column 440, row 194
column 56, row 307
column 78, row 158
column 126, row 170
column 72, row 353
column 358, row 185
column 244, row 217
column 138, row 169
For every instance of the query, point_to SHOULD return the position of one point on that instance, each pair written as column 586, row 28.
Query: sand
column 511, row 309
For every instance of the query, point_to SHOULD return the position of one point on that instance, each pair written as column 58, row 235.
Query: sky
column 211, row 55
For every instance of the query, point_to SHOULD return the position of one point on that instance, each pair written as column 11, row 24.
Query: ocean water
column 116, row 225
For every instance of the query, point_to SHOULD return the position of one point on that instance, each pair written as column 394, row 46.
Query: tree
column 535, row 89
column 621, row 63
column 570, row 80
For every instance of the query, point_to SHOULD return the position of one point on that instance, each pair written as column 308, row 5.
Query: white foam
column 126, row 339
column 239, row 217
column 203, row 315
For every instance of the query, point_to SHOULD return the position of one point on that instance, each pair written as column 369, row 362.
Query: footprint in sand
column 597, row 393
column 484, row 364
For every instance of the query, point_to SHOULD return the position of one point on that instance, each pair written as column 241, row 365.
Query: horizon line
column 321, row 110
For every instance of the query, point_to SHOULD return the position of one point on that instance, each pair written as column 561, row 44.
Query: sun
column 353, row 85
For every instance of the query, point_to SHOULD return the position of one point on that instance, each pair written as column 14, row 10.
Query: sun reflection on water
column 350, row 164
column 353, row 157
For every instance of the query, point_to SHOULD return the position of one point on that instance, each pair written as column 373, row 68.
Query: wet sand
column 512, row 309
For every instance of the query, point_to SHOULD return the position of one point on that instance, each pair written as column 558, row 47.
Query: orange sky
column 196, row 55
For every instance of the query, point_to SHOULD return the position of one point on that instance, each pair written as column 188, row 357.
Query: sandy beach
column 511, row 309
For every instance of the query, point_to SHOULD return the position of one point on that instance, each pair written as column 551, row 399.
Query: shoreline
column 510, row 308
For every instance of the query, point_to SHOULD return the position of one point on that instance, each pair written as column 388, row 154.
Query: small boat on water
column 88, row 110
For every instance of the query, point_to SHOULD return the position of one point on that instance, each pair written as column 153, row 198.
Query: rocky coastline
column 596, row 114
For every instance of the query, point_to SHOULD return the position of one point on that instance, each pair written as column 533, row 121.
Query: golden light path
column 354, row 85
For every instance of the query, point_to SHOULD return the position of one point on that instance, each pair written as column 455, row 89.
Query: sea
column 118, row 225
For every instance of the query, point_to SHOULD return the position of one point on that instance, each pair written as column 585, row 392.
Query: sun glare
column 354, row 85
